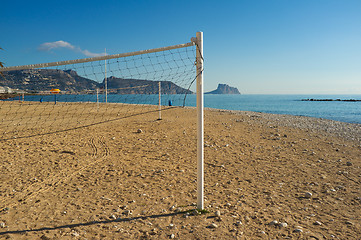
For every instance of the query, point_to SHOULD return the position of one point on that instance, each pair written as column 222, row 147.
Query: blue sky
column 258, row 46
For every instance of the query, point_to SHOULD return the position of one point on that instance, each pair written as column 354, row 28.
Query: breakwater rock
column 330, row 100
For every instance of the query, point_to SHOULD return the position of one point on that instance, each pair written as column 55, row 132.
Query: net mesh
column 93, row 92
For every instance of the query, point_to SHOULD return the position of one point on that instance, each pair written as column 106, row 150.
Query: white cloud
column 90, row 54
column 48, row 46
column 58, row 44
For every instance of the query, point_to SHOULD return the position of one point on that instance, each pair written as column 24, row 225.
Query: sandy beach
column 266, row 177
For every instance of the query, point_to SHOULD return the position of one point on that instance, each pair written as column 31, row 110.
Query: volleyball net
column 43, row 98
column 52, row 97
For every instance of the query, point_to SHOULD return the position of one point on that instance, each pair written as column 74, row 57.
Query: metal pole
column 98, row 98
column 159, row 101
column 200, row 123
column 105, row 80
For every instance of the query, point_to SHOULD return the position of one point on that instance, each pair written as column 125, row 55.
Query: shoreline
column 349, row 131
column 332, row 114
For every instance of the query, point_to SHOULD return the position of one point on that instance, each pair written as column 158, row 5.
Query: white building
column 6, row 90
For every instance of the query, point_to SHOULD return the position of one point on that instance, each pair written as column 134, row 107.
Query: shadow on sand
column 93, row 223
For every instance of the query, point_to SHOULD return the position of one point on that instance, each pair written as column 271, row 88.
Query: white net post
column 98, row 98
column 159, row 101
column 200, row 123
column 105, row 78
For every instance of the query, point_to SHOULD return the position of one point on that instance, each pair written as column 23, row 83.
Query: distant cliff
column 224, row 89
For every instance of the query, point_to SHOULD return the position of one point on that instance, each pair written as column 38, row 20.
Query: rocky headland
column 224, row 89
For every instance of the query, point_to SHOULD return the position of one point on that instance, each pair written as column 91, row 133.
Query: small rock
column 2, row 225
column 139, row 130
column 317, row 223
column 349, row 163
column 172, row 236
column 297, row 230
column 238, row 223
column 349, row 223
column 218, row 213
column 213, row 225
column 273, row 223
column 75, row 234
column 127, row 212
column 283, row 225
column 113, row 216
column 171, row 225
column 44, row 237
column 308, row 195
column 195, row 212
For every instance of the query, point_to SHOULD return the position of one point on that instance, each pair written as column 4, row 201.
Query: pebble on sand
column 308, row 195
column 213, row 225
column 283, row 224
column 273, row 223
column 317, row 223
column 238, row 223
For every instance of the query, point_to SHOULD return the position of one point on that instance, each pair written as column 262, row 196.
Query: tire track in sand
column 99, row 152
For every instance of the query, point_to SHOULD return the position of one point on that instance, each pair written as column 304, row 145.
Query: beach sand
column 266, row 177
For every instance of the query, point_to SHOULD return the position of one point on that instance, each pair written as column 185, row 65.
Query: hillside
column 136, row 86
column 46, row 79
column 35, row 80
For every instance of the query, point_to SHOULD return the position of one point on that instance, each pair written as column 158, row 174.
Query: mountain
column 46, row 79
column 137, row 86
column 224, row 89
column 35, row 80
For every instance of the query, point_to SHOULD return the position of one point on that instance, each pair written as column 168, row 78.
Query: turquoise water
column 278, row 104
column 291, row 105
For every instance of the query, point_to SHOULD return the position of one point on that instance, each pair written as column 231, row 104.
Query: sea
column 349, row 112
